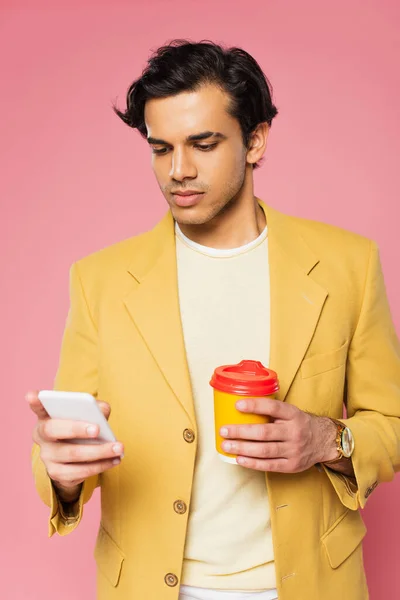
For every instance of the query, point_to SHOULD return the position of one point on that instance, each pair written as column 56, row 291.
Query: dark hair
column 182, row 66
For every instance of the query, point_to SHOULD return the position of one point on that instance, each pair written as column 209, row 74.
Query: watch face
column 347, row 442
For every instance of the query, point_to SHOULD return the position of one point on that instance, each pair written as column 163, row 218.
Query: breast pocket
column 321, row 363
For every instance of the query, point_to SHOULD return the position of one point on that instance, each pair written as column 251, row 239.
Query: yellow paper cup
column 231, row 383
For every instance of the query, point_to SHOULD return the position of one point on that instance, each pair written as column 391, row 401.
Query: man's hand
column 293, row 442
column 68, row 465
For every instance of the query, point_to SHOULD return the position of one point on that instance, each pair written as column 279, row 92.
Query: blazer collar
column 282, row 234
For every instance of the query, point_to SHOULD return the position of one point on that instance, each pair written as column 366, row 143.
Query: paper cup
column 231, row 383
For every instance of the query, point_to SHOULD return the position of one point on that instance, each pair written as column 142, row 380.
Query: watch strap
column 339, row 430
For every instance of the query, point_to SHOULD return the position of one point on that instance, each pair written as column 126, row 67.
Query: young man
column 223, row 277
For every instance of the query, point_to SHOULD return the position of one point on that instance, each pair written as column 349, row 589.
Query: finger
column 275, row 465
column 81, row 453
column 105, row 408
column 267, row 406
column 257, row 449
column 76, row 473
column 32, row 397
column 63, row 429
column 265, row 432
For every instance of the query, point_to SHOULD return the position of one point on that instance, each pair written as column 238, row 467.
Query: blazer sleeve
column 77, row 371
column 373, row 394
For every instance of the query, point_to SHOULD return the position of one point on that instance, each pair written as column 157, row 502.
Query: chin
column 186, row 220
column 189, row 216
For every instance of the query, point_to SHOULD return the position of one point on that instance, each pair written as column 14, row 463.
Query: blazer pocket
column 320, row 363
column 108, row 556
column 343, row 537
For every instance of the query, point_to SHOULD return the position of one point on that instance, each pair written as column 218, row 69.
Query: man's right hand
column 68, row 465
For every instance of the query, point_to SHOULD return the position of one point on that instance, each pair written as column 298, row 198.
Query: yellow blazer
column 332, row 341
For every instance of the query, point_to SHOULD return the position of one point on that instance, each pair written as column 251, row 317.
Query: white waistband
column 195, row 593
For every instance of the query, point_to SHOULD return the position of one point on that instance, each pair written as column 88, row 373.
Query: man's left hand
column 292, row 442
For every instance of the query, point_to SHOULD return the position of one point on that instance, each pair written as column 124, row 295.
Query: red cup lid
column 247, row 378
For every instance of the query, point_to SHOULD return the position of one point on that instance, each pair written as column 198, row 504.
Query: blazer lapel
column 296, row 303
column 296, row 299
column 154, row 307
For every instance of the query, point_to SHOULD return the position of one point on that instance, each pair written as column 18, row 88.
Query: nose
column 182, row 167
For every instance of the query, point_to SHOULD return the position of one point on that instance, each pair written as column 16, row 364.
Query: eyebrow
column 204, row 135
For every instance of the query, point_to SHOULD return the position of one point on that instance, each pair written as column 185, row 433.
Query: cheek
column 159, row 170
column 228, row 166
column 232, row 172
column 155, row 165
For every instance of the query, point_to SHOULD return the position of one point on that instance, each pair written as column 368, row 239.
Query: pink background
column 76, row 179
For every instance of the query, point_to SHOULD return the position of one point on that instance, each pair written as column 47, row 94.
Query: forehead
column 188, row 113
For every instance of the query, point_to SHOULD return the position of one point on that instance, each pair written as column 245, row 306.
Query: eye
column 205, row 147
column 159, row 150
column 202, row 147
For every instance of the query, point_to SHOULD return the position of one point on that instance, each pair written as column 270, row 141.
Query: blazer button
column 180, row 507
column 188, row 436
column 171, row 579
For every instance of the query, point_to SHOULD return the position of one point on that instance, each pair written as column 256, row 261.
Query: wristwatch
column 344, row 442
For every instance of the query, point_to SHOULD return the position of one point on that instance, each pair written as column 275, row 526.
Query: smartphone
column 77, row 406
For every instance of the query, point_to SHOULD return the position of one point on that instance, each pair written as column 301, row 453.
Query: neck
column 239, row 223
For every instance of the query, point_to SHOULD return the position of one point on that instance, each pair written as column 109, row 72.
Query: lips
column 187, row 193
column 187, row 198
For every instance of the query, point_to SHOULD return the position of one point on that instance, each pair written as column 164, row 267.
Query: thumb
column 32, row 398
column 105, row 408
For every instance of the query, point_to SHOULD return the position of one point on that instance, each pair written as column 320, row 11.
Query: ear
column 257, row 143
